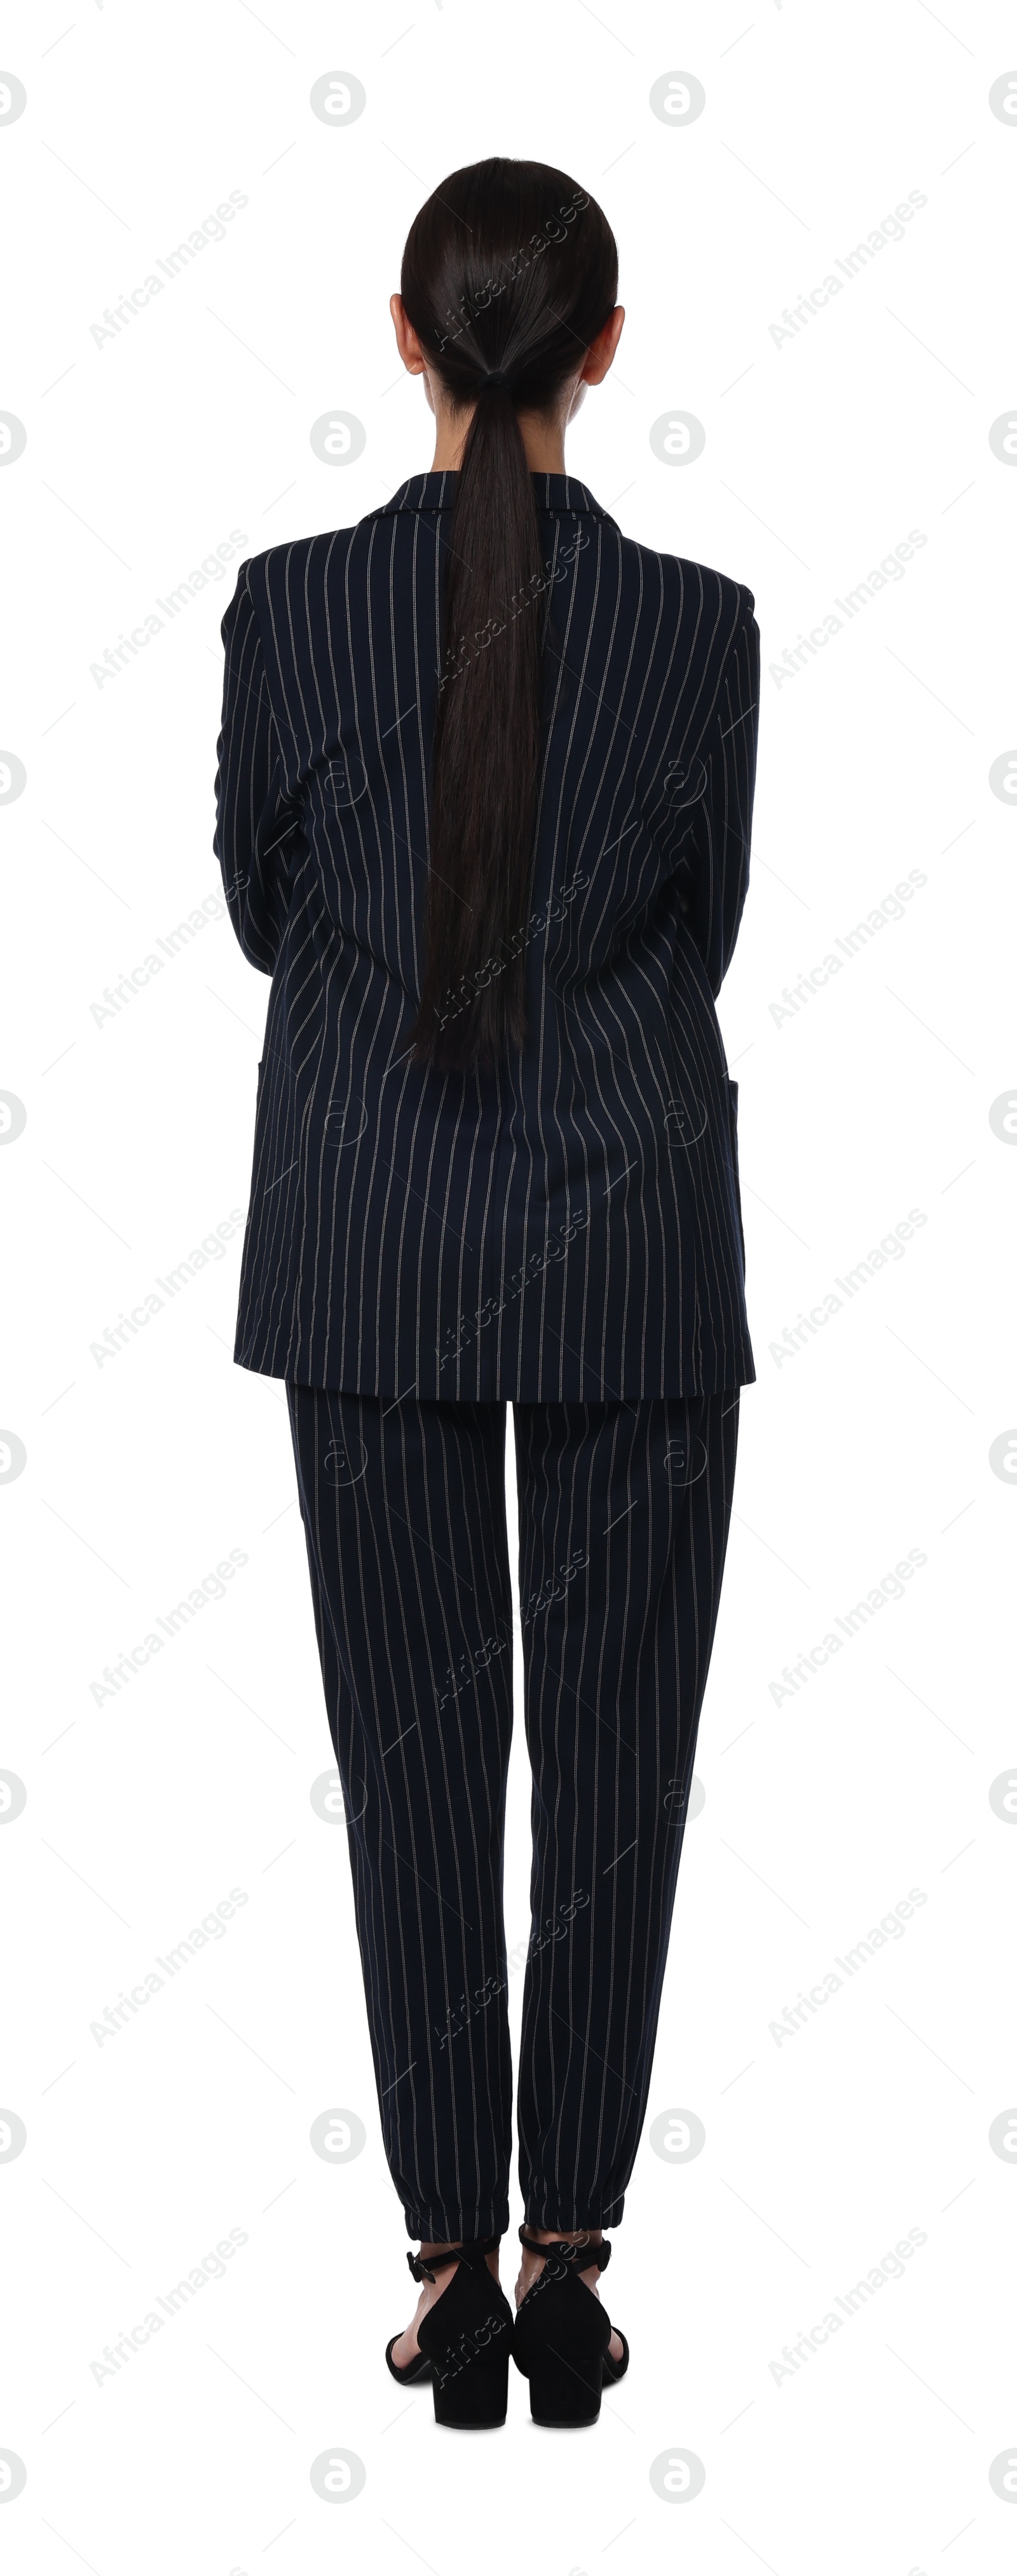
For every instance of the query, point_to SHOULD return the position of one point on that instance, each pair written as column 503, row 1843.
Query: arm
column 715, row 863
column 255, row 821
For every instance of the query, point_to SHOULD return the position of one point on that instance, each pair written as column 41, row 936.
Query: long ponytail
column 508, row 274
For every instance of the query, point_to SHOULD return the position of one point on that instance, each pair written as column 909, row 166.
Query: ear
column 407, row 343
column 600, row 353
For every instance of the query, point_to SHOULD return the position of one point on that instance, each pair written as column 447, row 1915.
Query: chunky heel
column 465, row 2339
column 561, row 2335
column 563, row 2397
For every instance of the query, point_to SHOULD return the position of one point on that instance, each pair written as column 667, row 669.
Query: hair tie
column 497, row 376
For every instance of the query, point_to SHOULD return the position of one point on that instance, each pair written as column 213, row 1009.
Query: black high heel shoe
column 464, row 2339
column 561, row 2334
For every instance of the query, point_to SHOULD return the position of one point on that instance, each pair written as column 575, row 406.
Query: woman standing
column 484, row 800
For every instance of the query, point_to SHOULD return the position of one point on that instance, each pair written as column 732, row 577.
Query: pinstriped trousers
column 624, row 1511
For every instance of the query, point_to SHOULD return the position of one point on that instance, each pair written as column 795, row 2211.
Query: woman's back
column 565, row 1223
column 485, row 791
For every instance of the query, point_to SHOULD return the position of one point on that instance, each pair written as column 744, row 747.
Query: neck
column 544, row 442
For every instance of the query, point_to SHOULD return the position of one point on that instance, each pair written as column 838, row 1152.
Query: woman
column 484, row 799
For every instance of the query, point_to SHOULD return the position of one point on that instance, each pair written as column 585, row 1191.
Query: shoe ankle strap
column 474, row 2250
column 583, row 2256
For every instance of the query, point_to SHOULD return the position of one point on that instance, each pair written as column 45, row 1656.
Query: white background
column 821, row 1810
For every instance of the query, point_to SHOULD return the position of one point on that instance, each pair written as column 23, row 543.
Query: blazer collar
column 438, row 492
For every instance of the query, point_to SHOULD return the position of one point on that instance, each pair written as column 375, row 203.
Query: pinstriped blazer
column 569, row 1224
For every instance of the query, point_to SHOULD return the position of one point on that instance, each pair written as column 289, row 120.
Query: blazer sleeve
column 256, row 839
column 715, row 865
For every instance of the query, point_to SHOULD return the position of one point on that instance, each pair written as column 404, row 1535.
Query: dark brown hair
column 509, row 272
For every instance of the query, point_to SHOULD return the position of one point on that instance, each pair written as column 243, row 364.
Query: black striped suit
column 570, row 1224
column 564, row 1232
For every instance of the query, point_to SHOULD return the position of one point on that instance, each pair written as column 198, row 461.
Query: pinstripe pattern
column 623, row 1520
column 569, row 1225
